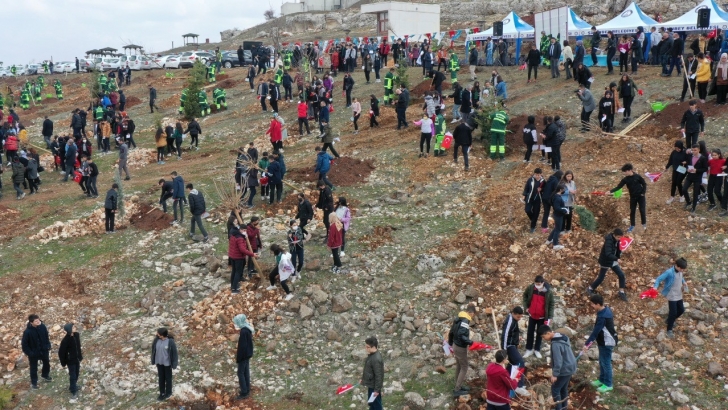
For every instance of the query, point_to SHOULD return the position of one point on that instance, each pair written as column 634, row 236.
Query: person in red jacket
column 303, row 117
column 336, row 228
column 238, row 252
column 255, row 242
column 499, row 385
column 11, row 147
column 276, row 135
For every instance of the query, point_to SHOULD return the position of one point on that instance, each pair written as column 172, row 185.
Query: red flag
column 479, row 346
column 649, row 293
column 599, row 193
column 624, row 243
column 345, row 388
column 451, row 32
column 653, row 176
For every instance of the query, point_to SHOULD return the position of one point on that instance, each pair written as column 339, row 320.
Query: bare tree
column 269, row 14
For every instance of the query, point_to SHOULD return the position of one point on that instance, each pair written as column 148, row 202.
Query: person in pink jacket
column 344, row 214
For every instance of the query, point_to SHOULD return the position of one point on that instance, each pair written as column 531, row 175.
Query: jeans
column 322, row 177
column 356, row 119
column 456, row 111
column 515, row 359
column 585, row 115
column 605, row 365
column 676, row 309
column 533, row 209
column 546, row 212
column 297, row 257
column 401, row 118
column 465, row 149
column 73, row 370
column 18, row 189
column 237, row 272
column 633, row 202
column 252, row 195
column 533, row 325
column 197, row 220
column 343, row 240
column 461, row 368
column 164, row 374
column 695, row 183
column 301, row 123
column 603, row 272
column 244, row 377
column 664, row 60
column 276, row 189
column 163, row 200
column 554, row 67
column 610, row 57
column 691, row 138
column 377, row 403
column 567, row 219
column 674, row 62
column 45, row 370
column 181, row 203
column 337, row 259
column 594, row 55
column 558, row 224
column 272, row 278
column 560, row 391
column 109, row 220
column 91, row 185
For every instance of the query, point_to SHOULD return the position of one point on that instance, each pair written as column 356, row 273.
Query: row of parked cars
column 135, row 62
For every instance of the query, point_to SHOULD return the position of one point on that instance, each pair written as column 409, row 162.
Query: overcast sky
column 65, row 29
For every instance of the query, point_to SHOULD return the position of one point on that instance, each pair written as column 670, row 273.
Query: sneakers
column 175, row 222
column 74, row 398
column 623, row 296
column 521, row 391
column 711, row 207
column 337, row 270
column 724, row 213
column 631, row 228
column 342, row 253
column 206, row 239
column 538, row 354
column 590, row 291
column 597, row 383
column 235, row 292
column 160, row 397
column 47, row 379
column 605, row 389
column 682, row 199
column 271, row 287
column 669, row 201
column 644, row 228
column 670, row 334
column 34, row 386
column 558, row 247
column 454, row 121
column 289, row 296
column 528, row 353
column 547, row 242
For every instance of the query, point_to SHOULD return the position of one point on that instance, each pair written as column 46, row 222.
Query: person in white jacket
column 426, row 129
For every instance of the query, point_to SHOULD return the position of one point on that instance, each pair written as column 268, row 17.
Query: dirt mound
column 229, row 83
column 150, row 219
column 420, row 89
column 380, row 236
column 132, row 102
column 219, row 398
column 170, row 102
column 345, row 171
column 605, row 211
column 666, row 123
column 675, row 110
column 7, row 213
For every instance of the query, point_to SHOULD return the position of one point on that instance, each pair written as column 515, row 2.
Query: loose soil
column 132, row 101
column 345, row 171
column 170, row 102
column 420, row 89
column 381, row 236
column 229, row 83
column 218, row 398
column 150, row 219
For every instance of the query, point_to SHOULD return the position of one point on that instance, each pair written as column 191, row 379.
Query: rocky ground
column 427, row 238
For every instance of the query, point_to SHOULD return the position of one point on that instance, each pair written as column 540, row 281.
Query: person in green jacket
column 262, row 166
column 2, row 102
column 389, row 87
column 538, row 301
column 103, row 82
column 498, row 121
column 440, row 129
column 202, row 101
column 59, row 89
column 183, row 100
column 218, row 94
column 278, row 79
column 211, row 73
column 287, row 60
column 41, row 81
column 454, row 66
column 37, row 94
column 25, row 99
column 99, row 113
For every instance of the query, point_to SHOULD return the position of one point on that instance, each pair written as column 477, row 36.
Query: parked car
column 64, row 67
column 230, row 59
column 19, row 69
column 5, row 72
column 188, row 58
column 84, row 64
column 172, row 61
column 135, row 62
column 160, row 62
column 147, row 63
column 32, row 69
column 110, row 63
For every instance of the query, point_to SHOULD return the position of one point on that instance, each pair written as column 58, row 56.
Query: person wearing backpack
column 459, row 338
column 605, row 334
column 282, row 259
column 547, row 192
column 530, row 137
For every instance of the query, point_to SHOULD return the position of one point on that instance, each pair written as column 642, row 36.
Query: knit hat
column 240, row 321
column 68, row 327
column 679, row 144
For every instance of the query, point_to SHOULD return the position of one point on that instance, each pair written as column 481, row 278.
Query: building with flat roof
column 396, row 19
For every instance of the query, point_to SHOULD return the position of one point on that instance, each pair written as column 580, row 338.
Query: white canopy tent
column 576, row 26
column 513, row 27
column 689, row 20
column 628, row 21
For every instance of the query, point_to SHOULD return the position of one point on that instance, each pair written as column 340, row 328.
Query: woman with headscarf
column 721, row 79
column 243, row 354
column 335, row 240
column 578, row 56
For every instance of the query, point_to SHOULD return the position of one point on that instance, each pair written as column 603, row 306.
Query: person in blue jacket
column 178, row 196
column 605, row 334
column 674, row 281
column 323, row 165
column 560, row 210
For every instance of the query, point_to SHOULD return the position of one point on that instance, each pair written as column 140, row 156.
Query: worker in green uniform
column 41, row 81
column 27, row 86
column 183, row 100
column 454, row 66
column 218, row 94
column 111, row 85
column 211, row 73
column 37, row 95
column 103, row 83
column 59, row 89
column 498, row 122
column 202, row 101
column 25, row 99
column 2, row 102
column 278, row 79
column 440, row 129
column 45, row 67
column 544, row 48
column 99, row 113
column 389, row 87
column 287, row 60
column 13, row 70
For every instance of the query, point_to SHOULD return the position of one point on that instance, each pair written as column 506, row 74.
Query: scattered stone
column 305, row 312
column 359, row 354
column 429, row 262
column 302, row 362
column 414, row 401
column 715, row 369
column 723, row 302
column 270, row 346
column 460, row 297
column 340, row 304
column 625, row 389
column 332, row 335
column 629, row 365
column 696, row 340
column 677, row 396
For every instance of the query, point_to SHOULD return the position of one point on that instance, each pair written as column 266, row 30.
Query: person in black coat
column 304, row 212
column 532, row 197
column 678, row 157
column 47, row 131
column 36, row 345
column 560, row 211
column 606, row 111
column 463, row 137
column 691, row 66
column 637, row 188
column 609, row 259
column 546, row 195
column 533, row 59
column 676, row 53
column 373, row 111
column 554, row 54
column 325, row 203
column 243, row 354
column 348, row 86
column 71, row 355
column 197, row 208
column 241, row 56
column 152, row 98
column 122, row 100
column 692, row 124
column 696, row 165
column 166, row 188
column 110, row 205
column 583, row 75
column 166, row 358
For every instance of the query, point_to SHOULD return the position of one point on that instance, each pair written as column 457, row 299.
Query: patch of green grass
column 6, row 398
